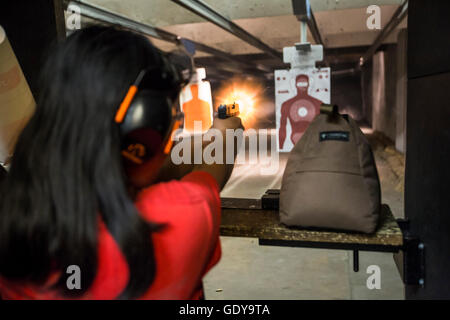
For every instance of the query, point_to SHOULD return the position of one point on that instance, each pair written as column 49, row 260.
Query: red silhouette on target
column 300, row 110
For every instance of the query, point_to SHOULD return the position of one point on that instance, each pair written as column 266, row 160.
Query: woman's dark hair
column 67, row 171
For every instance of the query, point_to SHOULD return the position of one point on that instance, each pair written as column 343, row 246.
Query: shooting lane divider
column 16, row 100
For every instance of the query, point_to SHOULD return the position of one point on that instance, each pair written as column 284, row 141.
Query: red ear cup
column 147, row 122
column 141, row 145
column 143, row 175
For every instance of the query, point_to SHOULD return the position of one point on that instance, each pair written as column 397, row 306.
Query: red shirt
column 184, row 250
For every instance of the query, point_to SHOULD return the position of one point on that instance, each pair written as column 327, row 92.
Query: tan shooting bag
column 331, row 180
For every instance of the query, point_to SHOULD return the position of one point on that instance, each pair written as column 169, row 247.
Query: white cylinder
column 16, row 101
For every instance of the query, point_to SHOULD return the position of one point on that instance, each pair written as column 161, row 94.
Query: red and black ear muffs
column 147, row 116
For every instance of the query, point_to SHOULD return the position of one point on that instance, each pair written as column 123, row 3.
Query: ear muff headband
column 126, row 102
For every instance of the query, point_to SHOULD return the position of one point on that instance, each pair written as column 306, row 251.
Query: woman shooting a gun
column 66, row 202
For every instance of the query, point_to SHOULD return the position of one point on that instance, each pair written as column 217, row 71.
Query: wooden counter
column 265, row 225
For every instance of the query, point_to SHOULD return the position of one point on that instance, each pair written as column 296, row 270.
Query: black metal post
column 355, row 260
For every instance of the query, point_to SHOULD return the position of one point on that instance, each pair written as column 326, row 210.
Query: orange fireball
column 247, row 94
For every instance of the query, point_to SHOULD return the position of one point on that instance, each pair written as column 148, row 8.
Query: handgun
column 228, row 110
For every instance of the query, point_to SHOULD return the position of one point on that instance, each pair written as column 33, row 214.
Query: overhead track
column 105, row 16
column 202, row 9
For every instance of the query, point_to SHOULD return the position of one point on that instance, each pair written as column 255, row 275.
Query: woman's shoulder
column 197, row 190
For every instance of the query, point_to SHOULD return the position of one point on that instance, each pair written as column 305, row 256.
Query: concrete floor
column 250, row 271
